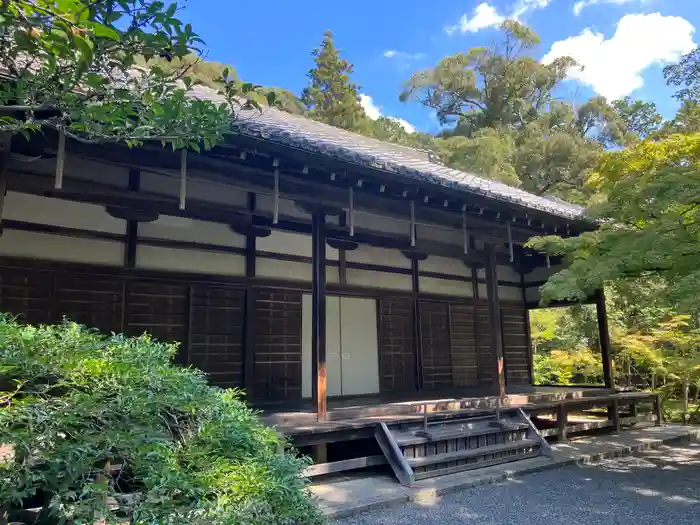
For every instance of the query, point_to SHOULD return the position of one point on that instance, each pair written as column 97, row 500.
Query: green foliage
column 563, row 342
column 331, row 96
column 686, row 76
column 73, row 65
column 649, row 224
column 487, row 87
column 105, row 428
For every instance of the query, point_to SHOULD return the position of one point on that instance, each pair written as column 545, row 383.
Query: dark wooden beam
column 318, row 313
column 417, row 325
column 495, row 320
column 132, row 226
column 604, row 338
column 249, row 312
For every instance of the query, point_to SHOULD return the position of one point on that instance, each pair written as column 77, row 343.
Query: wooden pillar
column 528, row 334
column 249, row 312
column 5, row 146
column 318, row 312
column 604, row 337
column 132, row 226
column 495, row 319
column 562, row 417
column 417, row 326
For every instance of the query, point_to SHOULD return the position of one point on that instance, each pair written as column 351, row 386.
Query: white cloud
column 484, row 16
column 370, row 107
column 374, row 112
column 522, row 7
column 402, row 55
column 582, row 4
column 614, row 67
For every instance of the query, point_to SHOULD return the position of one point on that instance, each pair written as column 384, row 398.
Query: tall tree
column 650, row 224
column 685, row 75
column 331, row 96
column 490, row 87
column 72, row 65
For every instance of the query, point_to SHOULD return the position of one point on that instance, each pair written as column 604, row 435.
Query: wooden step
column 404, row 439
column 472, row 453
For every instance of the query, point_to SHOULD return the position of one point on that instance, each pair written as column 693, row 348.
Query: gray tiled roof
column 302, row 133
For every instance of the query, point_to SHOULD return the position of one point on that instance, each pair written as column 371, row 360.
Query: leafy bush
column 97, row 428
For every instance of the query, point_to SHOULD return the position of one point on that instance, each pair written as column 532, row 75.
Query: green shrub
column 97, row 428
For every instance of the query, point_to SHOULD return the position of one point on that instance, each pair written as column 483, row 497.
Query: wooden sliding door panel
column 358, row 346
column 397, row 361
column 487, row 358
column 216, row 333
column 465, row 359
column 277, row 329
column 516, row 351
column 93, row 300
column 437, row 358
column 28, row 294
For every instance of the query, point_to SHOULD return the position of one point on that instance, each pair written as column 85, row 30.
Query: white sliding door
column 351, row 346
column 359, row 347
column 333, row 366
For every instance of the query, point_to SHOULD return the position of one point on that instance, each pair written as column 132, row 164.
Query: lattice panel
column 516, row 351
column 437, row 359
column 487, row 359
column 277, row 325
column 93, row 300
column 27, row 294
column 216, row 333
column 159, row 308
column 397, row 365
column 465, row 359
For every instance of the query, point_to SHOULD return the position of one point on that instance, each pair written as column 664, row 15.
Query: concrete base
column 347, row 497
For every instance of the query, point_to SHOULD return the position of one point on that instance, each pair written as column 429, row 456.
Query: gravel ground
column 652, row 488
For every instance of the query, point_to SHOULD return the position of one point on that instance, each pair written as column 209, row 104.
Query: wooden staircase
column 463, row 443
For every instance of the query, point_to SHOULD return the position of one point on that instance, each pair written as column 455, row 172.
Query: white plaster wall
column 374, row 279
column 51, row 247
column 445, row 265
column 265, row 203
column 195, row 261
column 542, row 273
column 76, row 168
column 359, row 350
column 291, row 244
column 275, row 269
column 58, row 212
column 168, row 183
column 445, row 287
column 506, row 273
column 438, row 234
column 381, row 256
column 483, row 291
column 382, row 224
column 192, row 230
column 509, row 293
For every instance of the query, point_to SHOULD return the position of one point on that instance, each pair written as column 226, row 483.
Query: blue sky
column 622, row 43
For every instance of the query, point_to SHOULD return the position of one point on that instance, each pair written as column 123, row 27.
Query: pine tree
column 331, row 97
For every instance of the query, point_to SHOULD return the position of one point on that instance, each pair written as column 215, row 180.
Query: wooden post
column 528, row 334
column 132, row 226
column 417, row 326
column 562, row 416
column 318, row 312
column 658, row 410
column 5, row 146
column 604, row 337
column 495, row 319
column 249, row 312
column 615, row 413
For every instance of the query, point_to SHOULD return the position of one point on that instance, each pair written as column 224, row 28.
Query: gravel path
column 652, row 488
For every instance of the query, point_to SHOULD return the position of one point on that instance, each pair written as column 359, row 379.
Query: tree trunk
column 653, row 382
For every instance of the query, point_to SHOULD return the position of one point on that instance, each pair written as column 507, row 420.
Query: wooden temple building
column 317, row 269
